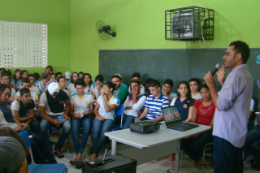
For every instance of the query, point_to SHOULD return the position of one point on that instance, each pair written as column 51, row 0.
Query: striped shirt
column 155, row 105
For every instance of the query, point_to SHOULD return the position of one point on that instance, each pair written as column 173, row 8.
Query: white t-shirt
column 252, row 105
column 102, row 111
column 13, row 92
column 172, row 96
column 35, row 88
column 81, row 105
column 142, row 90
column 72, row 88
column 88, row 90
column 197, row 96
column 96, row 92
column 136, row 107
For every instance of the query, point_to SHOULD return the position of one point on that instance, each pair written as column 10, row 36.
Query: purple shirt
column 234, row 98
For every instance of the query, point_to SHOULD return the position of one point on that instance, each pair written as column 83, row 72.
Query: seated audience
column 147, row 83
column 57, row 75
column 154, row 103
column 88, row 83
column 5, row 79
column 51, row 108
column 184, row 102
column 51, row 77
column 71, row 88
column 104, row 121
column 23, row 110
column 99, row 87
column 32, row 86
column 167, row 90
column 81, row 111
column 62, row 83
column 204, row 110
column 41, row 153
column 42, row 84
column 16, row 78
column 133, row 104
column 81, row 74
column 137, row 77
column 194, row 87
column 120, row 91
column 251, row 137
column 48, row 70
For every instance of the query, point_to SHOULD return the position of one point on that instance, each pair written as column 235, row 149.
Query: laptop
column 172, row 118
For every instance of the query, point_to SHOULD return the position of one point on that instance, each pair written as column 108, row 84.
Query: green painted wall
column 56, row 13
column 140, row 25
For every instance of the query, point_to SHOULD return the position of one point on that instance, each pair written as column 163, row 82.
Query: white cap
column 53, row 88
column 67, row 74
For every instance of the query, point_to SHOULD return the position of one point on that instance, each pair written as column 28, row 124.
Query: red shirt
column 205, row 113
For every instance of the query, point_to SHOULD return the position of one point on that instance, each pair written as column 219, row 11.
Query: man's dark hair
column 242, row 48
column 99, row 78
column 31, row 75
column 59, row 78
column 195, row 80
column 45, row 76
column 148, row 81
column 136, row 81
column 79, row 82
column 5, row 73
column 25, row 80
column 50, row 67
column 169, row 82
column 117, row 76
column 155, row 83
column 36, row 76
column 58, row 73
column 136, row 74
column 24, row 91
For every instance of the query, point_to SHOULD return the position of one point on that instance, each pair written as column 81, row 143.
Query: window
column 23, row 44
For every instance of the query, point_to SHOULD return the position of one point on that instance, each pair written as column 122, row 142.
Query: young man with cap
column 121, row 91
column 51, row 108
column 232, row 103
column 12, row 156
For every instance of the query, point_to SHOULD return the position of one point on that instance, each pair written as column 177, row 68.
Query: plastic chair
column 41, row 168
column 119, row 112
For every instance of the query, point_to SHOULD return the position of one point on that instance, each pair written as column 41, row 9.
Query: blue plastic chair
column 119, row 112
column 41, row 168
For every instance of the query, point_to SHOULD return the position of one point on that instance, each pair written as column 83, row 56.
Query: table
column 165, row 140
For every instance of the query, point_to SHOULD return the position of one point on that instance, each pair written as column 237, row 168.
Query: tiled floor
column 163, row 165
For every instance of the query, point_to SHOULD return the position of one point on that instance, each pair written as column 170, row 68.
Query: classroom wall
column 56, row 13
column 140, row 25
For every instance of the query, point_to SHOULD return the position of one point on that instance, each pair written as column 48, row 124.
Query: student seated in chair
column 167, row 89
column 133, row 104
column 51, row 108
column 204, row 110
column 184, row 101
column 194, row 87
column 42, row 83
column 104, row 121
column 137, row 77
column 41, row 153
column 23, row 110
column 32, row 86
column 99, row 80
column 81, row 111
column 5, row 79
column 154, row 103
column 121, row 91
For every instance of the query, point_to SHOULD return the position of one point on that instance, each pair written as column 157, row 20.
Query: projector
column 145, row 127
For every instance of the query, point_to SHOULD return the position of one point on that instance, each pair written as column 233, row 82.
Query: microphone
column 217, row 67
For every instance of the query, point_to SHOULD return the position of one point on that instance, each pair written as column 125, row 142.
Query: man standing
column 232, row 103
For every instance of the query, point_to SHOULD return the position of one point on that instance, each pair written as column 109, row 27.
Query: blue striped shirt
column 155, row 106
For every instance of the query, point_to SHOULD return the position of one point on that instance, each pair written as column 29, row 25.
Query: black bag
column 111, row 164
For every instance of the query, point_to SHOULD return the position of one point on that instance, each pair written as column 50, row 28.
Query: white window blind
column 23, row 44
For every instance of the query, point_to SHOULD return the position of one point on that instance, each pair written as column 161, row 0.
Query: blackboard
column 175, row 64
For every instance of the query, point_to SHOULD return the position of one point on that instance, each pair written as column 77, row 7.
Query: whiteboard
column 23, row 44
